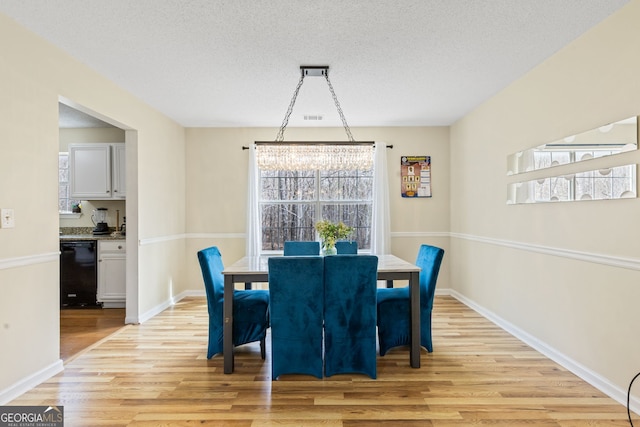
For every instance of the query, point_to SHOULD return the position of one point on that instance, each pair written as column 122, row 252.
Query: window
column 291, row 202
column 65, row 203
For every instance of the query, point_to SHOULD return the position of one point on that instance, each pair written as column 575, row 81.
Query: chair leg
column 263, row 350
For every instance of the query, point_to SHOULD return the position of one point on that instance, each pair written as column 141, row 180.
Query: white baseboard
column 155, row 311
column 596, row 380
column 26, row 384
column 161, row 307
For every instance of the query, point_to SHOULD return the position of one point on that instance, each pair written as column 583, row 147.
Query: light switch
column 7, row 219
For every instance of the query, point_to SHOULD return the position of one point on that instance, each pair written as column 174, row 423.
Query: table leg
column 389, row 284
column 227, row 331
column 414, row 290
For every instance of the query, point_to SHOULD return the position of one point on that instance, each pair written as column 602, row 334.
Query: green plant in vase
column 330, row 233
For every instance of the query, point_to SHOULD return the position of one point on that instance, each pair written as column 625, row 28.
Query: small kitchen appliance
column 99, row 219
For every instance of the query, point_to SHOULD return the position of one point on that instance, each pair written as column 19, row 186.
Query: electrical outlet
column 7, row 219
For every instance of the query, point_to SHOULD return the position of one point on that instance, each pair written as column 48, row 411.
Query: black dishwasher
column 78, row 274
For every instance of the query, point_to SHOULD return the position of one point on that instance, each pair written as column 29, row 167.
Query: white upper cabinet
column 97, row 171
column 118, row 171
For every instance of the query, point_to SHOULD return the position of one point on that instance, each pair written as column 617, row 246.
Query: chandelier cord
column 335, row 100
column 285, row 122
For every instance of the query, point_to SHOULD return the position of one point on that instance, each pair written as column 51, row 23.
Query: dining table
column 254, row 269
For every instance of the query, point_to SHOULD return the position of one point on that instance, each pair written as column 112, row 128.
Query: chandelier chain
column 285, row 121
column 335, row 100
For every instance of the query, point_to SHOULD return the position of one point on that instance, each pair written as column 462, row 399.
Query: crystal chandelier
column 310, row 155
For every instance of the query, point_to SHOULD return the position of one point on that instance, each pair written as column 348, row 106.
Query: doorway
column 81, row 328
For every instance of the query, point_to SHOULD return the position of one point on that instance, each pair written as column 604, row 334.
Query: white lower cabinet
column 112, row 273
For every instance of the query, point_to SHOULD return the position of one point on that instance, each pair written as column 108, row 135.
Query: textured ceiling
column 236, row 62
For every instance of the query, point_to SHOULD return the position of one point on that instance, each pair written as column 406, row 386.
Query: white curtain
column 380, row 229
column 253, row 233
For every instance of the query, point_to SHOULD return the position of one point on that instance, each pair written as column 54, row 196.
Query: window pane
column 357, row 215
column 282, row 222
column 283, row 185
column 64, row 203
column 63, row 161
column 346, row 185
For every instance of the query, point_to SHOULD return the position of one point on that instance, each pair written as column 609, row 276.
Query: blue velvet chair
column 296, row 291
column 301, row 248
column 347, row 247
column 250, row 307
column 350, row 314
column 394, row 313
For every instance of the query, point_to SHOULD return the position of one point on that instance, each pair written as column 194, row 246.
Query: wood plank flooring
column 82, row 327
column 157, row 374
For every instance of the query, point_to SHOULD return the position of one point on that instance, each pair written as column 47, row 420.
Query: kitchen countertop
column 90, row 237
column 85, row 233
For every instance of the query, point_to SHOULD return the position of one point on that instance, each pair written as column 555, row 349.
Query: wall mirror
column 612, row 183
column 613, row 138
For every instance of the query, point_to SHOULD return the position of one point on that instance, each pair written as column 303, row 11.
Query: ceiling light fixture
column 307, row 155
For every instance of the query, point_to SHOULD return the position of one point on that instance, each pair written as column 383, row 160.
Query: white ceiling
column 237, row 62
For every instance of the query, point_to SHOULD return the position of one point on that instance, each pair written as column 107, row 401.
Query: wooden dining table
column 255, row 270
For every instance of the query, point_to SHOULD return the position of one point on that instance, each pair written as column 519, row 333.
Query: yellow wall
column 563, row 275
column 566, row 274
column 217, row 182
column 33, row 75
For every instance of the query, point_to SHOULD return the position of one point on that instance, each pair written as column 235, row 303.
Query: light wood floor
column 157, row 374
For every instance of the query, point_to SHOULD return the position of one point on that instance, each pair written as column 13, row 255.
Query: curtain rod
column 244, row 147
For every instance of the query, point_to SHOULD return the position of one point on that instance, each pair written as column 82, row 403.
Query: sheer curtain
column 253, row 232
column 380, row 229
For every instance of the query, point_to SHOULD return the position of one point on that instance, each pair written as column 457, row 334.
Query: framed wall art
column 415, row 176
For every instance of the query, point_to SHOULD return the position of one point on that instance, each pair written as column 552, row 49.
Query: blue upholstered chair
column 296, row 248
column 350, row 314
column 394, row 313
column 250, row 308
column 347, row 247
column 296, row 292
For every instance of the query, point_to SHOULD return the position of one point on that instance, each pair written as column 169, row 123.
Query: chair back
column 211, row 266
column 350, row 314
column 429, row 260
column 296, row 291
column 295, row 248
column 347, row 247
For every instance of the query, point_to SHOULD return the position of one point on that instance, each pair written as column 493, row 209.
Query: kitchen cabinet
column 112, row 273
column 97, row 171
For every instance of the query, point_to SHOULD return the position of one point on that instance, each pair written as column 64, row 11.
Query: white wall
column 33, row 77
column 565, row 275
column 217, row 179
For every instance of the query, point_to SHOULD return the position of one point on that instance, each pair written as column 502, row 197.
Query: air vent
column 312, row 117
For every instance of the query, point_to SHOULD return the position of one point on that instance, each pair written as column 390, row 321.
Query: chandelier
column 314, row 155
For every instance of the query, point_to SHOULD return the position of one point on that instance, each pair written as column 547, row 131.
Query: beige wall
column 217, row 179
column 89, row 135
column 566, row 274
column 33, row 77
